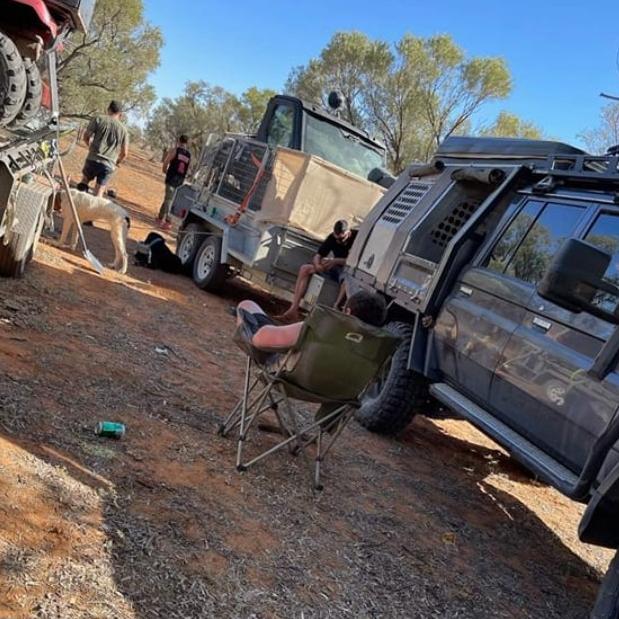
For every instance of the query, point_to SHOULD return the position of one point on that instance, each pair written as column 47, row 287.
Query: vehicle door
column 486, row 307
column 542, row 387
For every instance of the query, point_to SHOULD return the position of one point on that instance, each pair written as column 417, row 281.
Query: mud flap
column 599, row 522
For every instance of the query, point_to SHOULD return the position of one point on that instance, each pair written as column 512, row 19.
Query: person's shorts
column 96, row 169
column 250, row 325
column 256, row 321
column 335, row 274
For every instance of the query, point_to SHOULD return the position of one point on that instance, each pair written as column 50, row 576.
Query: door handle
column 544, row 325
column 466, row 291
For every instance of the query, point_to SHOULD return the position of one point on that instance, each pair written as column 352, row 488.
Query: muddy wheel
column 390, row 404
column 208, row 272
column 34, row 91
column 12, row 81
column 607, row 602
column 188, row 243
column 15, row 255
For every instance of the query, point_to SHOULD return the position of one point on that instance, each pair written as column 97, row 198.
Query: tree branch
column 76, row 53
column 96, row 85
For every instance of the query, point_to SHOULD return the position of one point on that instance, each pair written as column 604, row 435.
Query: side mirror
column 575, row 279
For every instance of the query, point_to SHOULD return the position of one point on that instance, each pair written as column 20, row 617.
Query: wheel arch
column 44, row 17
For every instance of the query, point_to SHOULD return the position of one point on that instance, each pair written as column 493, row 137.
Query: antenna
column 611, row 97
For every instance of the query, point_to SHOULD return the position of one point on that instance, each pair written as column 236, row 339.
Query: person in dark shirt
column 328, row 261
column 175, row 166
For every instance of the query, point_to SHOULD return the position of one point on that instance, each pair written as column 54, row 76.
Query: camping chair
column 333, row 362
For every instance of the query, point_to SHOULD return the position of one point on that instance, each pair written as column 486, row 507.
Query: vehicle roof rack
column 583, row 167
column 503, row 148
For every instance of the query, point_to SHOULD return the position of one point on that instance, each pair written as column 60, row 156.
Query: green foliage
column 203, row 109
column 606, row 134
column 112, row 61
column 348, row 62
column 251, row 107
column 414, row 94
column 508, row 125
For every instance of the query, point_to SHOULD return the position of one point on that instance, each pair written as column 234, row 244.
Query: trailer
column 258, row 207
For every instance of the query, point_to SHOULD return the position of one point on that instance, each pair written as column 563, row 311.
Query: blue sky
column 561, row 54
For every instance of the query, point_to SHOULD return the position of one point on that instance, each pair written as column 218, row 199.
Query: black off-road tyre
column 34, row 92
column 607, row 602
column 12, row 81
column 10, row 264
column 392, row 402
column 208, row 272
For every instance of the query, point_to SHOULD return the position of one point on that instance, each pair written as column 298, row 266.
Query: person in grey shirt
column 108, row 144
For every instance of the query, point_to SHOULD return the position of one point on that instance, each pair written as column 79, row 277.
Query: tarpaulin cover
column 310, row 194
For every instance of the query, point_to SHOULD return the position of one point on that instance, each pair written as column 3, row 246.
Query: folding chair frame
column 265, row 391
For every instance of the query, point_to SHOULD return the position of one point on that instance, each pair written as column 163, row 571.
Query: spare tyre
column 13, row 81
column 34, row 92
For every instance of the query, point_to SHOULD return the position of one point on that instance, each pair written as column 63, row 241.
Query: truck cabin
column 296, row 124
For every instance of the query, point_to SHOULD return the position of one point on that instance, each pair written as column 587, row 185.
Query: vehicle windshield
column 341, row 147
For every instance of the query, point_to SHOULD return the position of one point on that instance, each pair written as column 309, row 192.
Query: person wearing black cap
column 108, row 144
column 328, row 261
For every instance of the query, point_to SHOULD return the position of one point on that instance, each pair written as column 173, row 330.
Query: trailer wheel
column 188, row 243
column 34, row 92
column 390, row 404
column 208, row 272
column 13, row 80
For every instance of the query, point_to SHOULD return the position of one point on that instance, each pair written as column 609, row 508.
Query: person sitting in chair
column 266, row 335
column 337, row 245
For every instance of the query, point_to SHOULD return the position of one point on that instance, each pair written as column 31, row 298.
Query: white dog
column 90, row 208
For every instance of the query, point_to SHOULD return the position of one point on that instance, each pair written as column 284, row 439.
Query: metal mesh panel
column 242, row 166
column 451, row 224
column 405, row 202
column 230, row 168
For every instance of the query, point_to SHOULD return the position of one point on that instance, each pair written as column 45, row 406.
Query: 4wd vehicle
column 501, row 259
column 31, row 32
column 259, row 206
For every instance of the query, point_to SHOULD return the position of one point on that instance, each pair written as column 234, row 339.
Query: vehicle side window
column 530, row 242
column 605, row 234
column 510, row 239
column 281, row 127
column 555, row 224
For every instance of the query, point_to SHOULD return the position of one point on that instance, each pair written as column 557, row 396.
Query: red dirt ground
column 437, row 523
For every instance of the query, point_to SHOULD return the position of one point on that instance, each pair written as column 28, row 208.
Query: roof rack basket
column 583, row 167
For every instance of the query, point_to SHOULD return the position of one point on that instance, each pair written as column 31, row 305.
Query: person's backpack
column 153, row 253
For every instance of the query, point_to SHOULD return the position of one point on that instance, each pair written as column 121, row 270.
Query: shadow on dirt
column 404, row 528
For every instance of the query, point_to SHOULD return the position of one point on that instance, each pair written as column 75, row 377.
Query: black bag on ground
column 153, row 253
